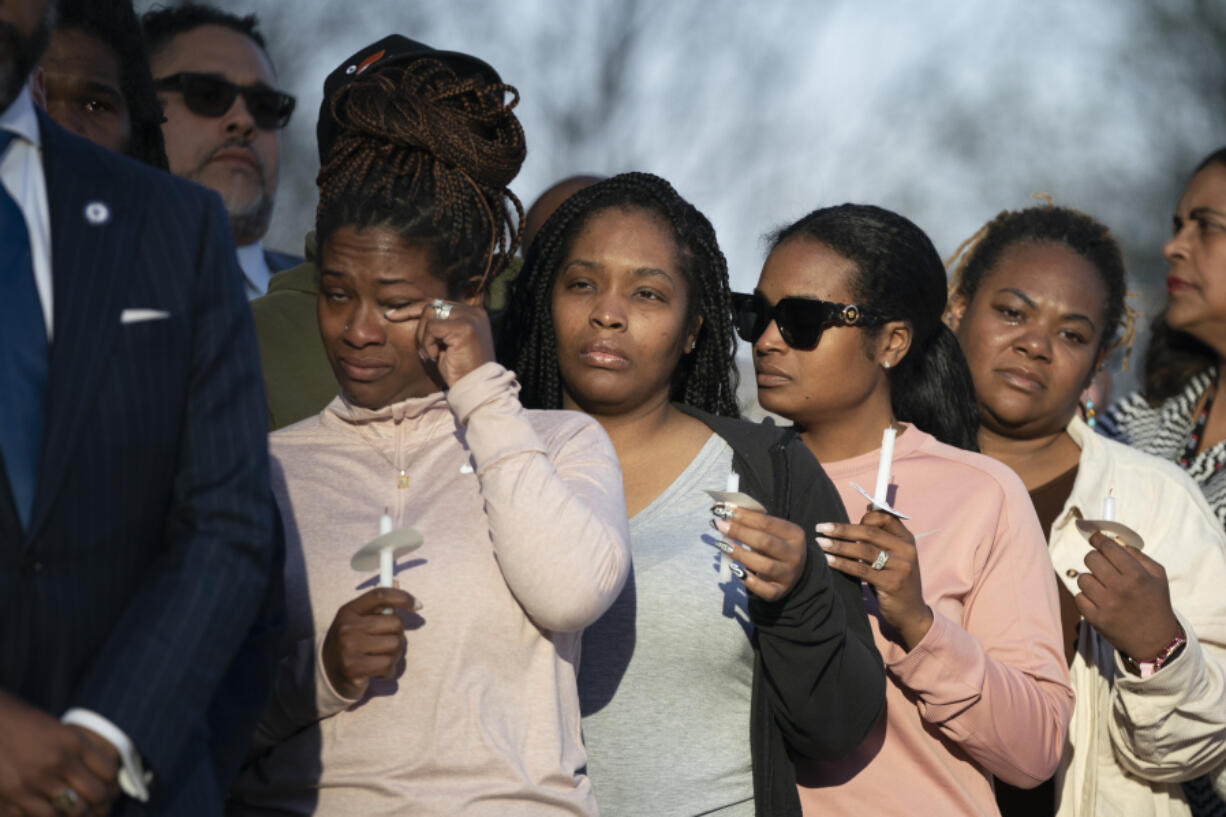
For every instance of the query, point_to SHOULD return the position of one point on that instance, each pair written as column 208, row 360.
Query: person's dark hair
column 162, row 24
column 706, row 377
column 429, row 155
column 1173, row 358
column 899, row 273
column 1081, row 233
column 114, row 23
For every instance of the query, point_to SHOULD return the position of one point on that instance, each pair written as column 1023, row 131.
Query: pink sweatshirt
column 986, row 692
column 526, row 543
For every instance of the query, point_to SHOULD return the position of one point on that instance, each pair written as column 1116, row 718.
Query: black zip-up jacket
column 818, row 680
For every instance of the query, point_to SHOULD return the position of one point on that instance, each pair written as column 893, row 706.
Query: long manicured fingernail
column 824, row 527
column 416, row 605
column 830, row 557
column 724, row 546
column 722, row 511
column 722, row 525
column 822, row 541
column 737, row 570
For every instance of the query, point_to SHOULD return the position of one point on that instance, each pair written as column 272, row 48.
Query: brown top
column 1048, row 500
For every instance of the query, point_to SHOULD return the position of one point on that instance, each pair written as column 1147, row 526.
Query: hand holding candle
column 357, row 647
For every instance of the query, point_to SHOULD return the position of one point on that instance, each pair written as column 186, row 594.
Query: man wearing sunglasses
column 224, row 115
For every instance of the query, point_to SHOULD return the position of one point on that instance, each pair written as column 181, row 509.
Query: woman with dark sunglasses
column 977, row 682
column 622, row 311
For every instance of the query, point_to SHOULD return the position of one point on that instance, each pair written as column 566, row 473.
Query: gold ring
column 66, row 801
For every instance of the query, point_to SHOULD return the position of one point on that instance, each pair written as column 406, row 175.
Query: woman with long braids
column 1038, row 306
column 622, row 311
column 848, row 342
column 521, row 512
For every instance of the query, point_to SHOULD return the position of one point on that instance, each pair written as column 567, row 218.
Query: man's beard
column 19, row 55
column 248, row 219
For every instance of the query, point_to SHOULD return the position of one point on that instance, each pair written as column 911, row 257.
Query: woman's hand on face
column 853, row 549
column 1126, row 598
column 364, row 642
column 456, row 344
column 773, row 553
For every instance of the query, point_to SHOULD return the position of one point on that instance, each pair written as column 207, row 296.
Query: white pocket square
column 139, row 315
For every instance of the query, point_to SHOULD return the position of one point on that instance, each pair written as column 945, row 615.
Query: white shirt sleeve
column 134, row 779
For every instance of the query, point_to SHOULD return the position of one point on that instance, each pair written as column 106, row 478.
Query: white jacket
column 1132, row 741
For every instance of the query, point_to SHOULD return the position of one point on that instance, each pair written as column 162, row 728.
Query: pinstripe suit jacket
column 138, row 589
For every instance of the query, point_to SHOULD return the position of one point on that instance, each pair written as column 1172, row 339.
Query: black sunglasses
column 800, row 320
column 210, row 95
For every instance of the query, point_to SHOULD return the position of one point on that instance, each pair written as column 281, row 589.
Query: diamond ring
column 442, row 309
column 882, row 558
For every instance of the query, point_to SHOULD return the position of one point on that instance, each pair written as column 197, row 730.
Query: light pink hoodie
column 986, row 692
column 526, row 543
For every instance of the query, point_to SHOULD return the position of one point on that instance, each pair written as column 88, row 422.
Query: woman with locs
column 848, row 342
column 622, row 311
column 1037, row 303
column 521, row 511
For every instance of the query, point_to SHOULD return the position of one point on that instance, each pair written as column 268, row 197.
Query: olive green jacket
column 298, row 382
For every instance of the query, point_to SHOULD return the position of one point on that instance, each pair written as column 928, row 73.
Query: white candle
column 1108, row 508
column 387, row 559
column 387, row 567
column 881, row 490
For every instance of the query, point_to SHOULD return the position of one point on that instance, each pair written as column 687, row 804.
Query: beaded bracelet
column 1148, row 667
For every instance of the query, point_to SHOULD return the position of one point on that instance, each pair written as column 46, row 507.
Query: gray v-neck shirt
column 666, row 674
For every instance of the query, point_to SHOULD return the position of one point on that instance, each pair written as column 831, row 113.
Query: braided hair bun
column 428, row 153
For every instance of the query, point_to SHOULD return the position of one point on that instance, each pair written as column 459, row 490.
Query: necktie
column 23, row 354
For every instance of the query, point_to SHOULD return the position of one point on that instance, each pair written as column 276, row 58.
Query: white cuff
column 133, row 778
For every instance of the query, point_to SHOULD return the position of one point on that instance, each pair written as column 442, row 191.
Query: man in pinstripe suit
column 138, row 541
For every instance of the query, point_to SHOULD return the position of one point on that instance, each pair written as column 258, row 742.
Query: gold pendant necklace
column 402, row 481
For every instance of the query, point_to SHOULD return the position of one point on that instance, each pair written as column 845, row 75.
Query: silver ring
column 442, row 309
column 882, row 558
column 66, row 801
